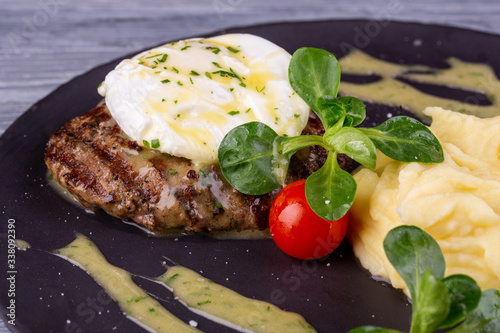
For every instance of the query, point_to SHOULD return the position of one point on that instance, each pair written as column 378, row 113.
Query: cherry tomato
column 298, row 230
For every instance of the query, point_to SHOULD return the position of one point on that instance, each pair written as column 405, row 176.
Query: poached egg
column 183, row 97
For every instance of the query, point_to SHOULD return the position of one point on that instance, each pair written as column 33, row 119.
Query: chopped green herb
column 216, row 50
column 155, row 143
column 185, row 47
column 233, row 113
column 257, row 88
column 191, row 80
column 152, row 310
column 205, row 302
column 163, row 99
column 194, row 73
column 248, row 110
column 175, row 69
column 164, row 58
column 231, row 89
column 232, row 49
column 243, row 85
column 207, row 74
column 154, row 56
column 172, row 278
column 138, row 299
column 226, row 74
column 179, row 83
column 165, row 81
column 296, row 115
column 146, row 144
column 172, row 172
column 100, row 84
column 216, row 64
column 176, row 101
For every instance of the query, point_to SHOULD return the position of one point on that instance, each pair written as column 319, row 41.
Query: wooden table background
column 44, row 43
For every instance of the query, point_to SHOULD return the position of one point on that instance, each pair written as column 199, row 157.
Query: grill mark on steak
column 95, row 161
column 76, row 174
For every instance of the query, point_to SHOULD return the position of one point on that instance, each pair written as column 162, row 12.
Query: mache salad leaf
column 254, row 159
column 439, row 302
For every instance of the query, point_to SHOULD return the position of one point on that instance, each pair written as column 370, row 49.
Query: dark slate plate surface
column 334, row 294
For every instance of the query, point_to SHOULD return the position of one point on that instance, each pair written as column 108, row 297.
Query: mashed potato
column 456, row 202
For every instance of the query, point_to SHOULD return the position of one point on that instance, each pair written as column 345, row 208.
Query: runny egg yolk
column 183, row 97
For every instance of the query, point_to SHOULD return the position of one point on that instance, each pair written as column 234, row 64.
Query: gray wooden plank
column 50, row 41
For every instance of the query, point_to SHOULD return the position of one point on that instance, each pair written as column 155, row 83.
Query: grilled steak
column 92, row 158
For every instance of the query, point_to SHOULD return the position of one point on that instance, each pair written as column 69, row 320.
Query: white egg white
column 183, row 97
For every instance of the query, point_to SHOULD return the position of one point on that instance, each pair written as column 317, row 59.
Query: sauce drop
column 201, row 294
column 198, row 293
column 131, row 299
column 473, row 77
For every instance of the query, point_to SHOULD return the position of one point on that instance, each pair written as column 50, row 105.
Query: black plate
column 334, row 294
